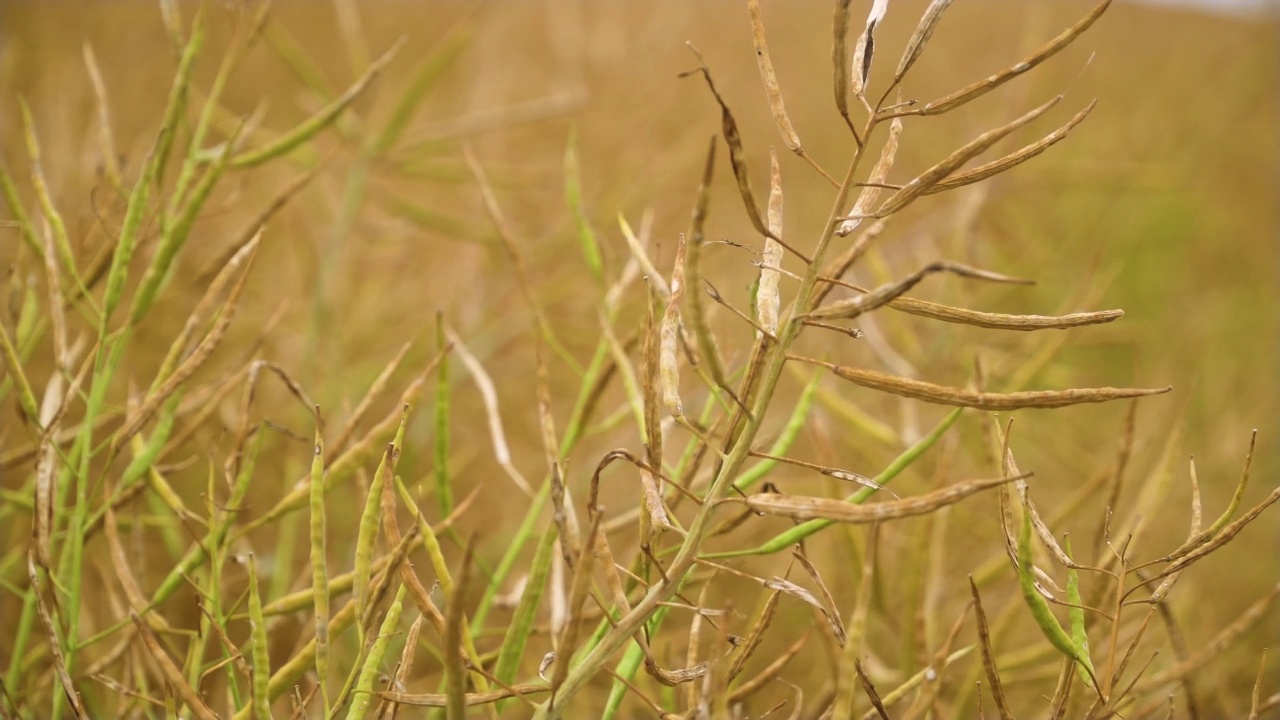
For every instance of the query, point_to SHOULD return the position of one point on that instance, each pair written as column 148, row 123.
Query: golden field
column 1161, row 203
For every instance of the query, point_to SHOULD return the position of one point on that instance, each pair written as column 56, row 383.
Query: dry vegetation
column 354, row 398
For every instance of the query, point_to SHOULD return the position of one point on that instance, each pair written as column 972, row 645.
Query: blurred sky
column 1226, row 6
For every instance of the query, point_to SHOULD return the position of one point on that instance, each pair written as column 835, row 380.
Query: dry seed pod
column 988, row 655
column 767, row 297
column 655, row 511
column 669, row 338
column 952, row 162
column 578, row 592
column 840, row 58
column 203, row 350
column 761, row 625
column 1213, row 646
column 982, row 87
column 649, row 386
column 568, row 536
column 837, row 473
column 1013, row 159
column 943, row 395
column 1036, row 601
column 638, row 253
column 693, row 691
column 455, row 660
column 853, row 650
column 469, row 699
column 833, row 619
column 770, row 672
column 172, row 675
column 883, row 295
column 738, row 158
column 106, row 141
column 57, row 316
column 828, row 601
column 864, row 52
column 706, row 341
column 546, row 420
column 853, row 477
column 1224, row 536
column 773, row 91
column 672, row 678
column 43, row 519
column 839, row 266
column 1200, row 537
column 801, row 507
column 867, row 198
column 876, row 703
column 920, row 38
column 484, row 383
column 1001, row 321
column 771, row 88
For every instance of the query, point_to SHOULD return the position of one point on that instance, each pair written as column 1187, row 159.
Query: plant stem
column 593, row 660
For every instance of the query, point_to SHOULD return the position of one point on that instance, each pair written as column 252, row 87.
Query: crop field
column 571, row 359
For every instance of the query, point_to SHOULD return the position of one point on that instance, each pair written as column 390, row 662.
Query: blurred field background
column 1162, row 203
